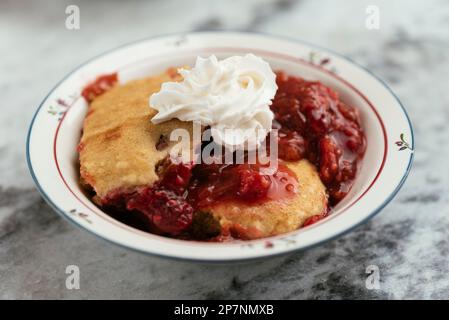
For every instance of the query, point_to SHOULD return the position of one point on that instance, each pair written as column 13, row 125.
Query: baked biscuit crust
column 252, row 221
column 118, row 148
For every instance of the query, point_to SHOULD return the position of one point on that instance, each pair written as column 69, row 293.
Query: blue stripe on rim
column 371, row 215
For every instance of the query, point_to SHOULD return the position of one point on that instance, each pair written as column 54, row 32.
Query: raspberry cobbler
column 126, row 168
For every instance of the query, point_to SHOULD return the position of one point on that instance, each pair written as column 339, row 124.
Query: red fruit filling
column 166, row 210
column 176, row 177
column 312, row 220
column 241, row 182
column 313, row 123
column 99, row 86
column 183, row 189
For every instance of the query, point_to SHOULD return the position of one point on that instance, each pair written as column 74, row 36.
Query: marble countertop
column 408, row 241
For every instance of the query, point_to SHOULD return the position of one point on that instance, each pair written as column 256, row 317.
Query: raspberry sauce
column 314, row 124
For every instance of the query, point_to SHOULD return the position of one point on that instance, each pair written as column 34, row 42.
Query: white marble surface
column 408, row 240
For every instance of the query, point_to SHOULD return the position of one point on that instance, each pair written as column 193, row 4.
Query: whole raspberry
column 167, row 211
column 176, row 177
column 253, row 185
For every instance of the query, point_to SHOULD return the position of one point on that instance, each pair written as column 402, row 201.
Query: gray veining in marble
column 408, row 241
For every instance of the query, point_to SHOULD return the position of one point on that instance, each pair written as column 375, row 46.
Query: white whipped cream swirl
column 232, row 96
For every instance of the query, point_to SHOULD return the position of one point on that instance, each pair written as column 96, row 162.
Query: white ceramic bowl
column 56, row 127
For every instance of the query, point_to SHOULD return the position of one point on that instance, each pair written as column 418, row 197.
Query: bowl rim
column 373, row 212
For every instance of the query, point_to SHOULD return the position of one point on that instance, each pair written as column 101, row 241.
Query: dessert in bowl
column 124, row 184
column 125, row 150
